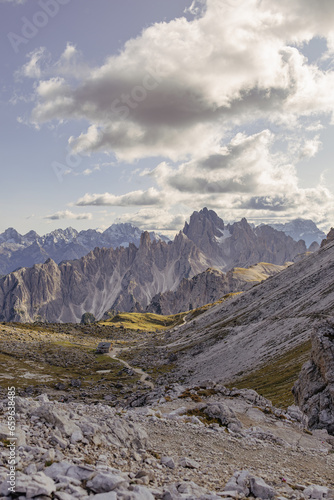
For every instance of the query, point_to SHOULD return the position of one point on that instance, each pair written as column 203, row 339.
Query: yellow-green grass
column 23, row 373
column 145, row 321
column 157, row 371
column 200, row 310
column 275, row 380
column 259, row 272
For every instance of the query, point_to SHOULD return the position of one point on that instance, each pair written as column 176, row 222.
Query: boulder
column 317, row 492
column 39, row 485
column 105, row 482
column 168, row 462
column 239, row 483
column 57, row 417
column 31, row 486
column 223, row 413
column 260, row 489
column 188, row 463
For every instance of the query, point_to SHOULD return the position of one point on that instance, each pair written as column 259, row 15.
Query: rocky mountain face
column 314, row 390
column 329, row 238
column 267, row 322
column 301, row 229
column 122, row 278
column 18, row 250
column 209, row 286
column 128, row 278
column 239, row 244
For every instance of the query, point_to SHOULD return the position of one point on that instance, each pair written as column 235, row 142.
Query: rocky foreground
column 175, row 442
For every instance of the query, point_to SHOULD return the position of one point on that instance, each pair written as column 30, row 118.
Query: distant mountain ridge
column 18, row 250
column 301, row 229
column 128, row 278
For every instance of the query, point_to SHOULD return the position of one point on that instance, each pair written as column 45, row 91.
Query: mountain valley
column 228, row 394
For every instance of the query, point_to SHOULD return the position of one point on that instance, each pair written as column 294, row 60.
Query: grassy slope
column 145, row 321
column 275, row 380
column 36, row 357
column 259, row 272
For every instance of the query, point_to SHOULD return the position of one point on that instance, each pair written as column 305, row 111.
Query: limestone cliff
column 210, row 286
column 329, row 238
column 314, row 389
column 239, row 244
column 124, row 279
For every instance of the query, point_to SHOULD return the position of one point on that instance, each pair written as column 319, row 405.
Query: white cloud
column 135, row 198
column 243, row 178
column 67, row 214
column 20, row 2
column 187, row 90
column 33, row 68
column 149, row 219
column 175, row 89
column 311, row 147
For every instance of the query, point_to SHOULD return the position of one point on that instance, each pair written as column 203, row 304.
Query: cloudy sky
column 143, row 111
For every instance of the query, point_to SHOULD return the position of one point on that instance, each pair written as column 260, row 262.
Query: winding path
column 139, row 371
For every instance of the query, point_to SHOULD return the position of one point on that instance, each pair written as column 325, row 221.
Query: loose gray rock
column 105, row 496
column 105, row 482
column 189, row 463
column 223, row 413
column 317, row 492
column 57, row 469
column 39, row 485
column 239, row 482
column 168, row 462
column 80, row 472
column 57, row 417
column 260, row 489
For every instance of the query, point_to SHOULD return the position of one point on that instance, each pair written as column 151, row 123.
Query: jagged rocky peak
column 314, row 389
column 122, row 230
column 329, row 238
column 145, row 240
column 204, row 222
column 10, row 236
column 31, row 236
column 314, row 247
column 207, row 230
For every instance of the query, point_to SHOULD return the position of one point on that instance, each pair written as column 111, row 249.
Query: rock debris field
column 174, row 442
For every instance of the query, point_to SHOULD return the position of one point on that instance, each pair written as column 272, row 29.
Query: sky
column 144, row 111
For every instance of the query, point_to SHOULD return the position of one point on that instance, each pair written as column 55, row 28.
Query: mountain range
column 18, row 250
column 301, row 229
column 128, row 278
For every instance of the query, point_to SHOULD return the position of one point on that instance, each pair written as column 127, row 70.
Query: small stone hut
column 104, row 348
